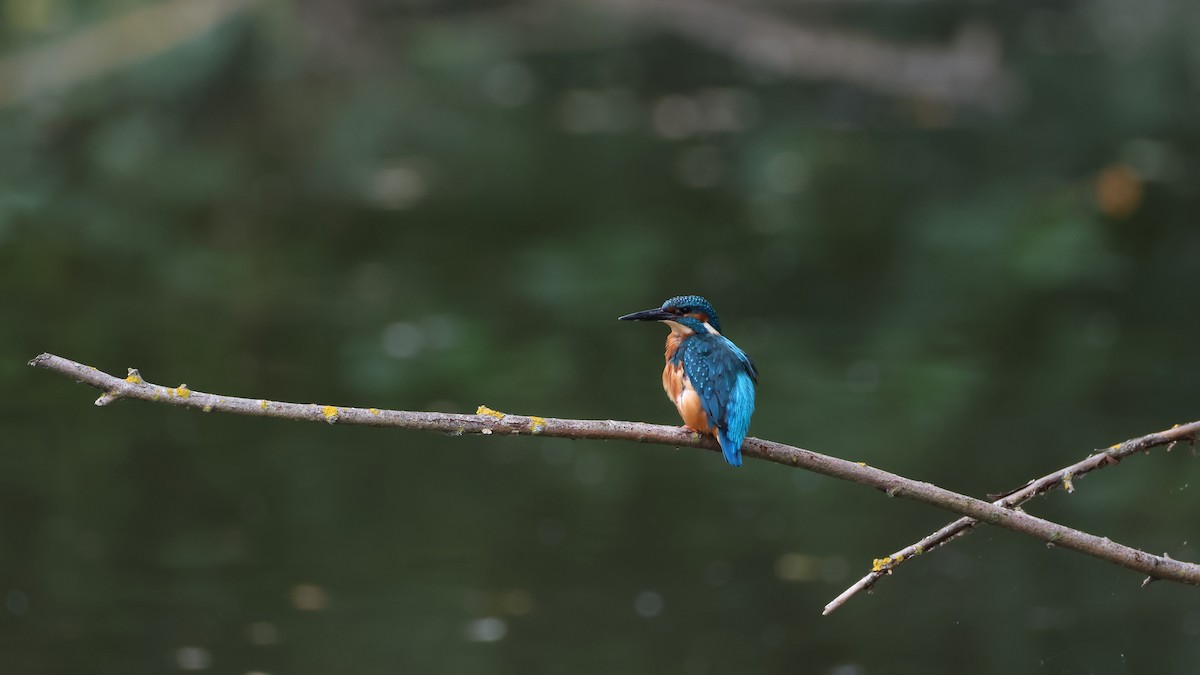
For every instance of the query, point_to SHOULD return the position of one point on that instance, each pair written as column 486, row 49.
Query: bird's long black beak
column 655, row 314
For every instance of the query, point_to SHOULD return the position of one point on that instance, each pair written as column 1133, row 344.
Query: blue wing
column 724, row 377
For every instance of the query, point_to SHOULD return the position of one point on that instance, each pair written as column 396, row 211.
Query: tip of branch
column 39, row 359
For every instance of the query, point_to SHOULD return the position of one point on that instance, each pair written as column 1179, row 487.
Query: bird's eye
column 679, row 311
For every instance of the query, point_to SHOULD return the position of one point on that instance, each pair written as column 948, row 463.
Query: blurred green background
column 959, row 239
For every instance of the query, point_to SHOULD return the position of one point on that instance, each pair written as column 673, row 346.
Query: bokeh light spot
column 1118, row 191
column 648, row 604
column 487, row 629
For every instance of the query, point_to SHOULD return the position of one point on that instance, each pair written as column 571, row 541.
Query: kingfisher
column 710, row 381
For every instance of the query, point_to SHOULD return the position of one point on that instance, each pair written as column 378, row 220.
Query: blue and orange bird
column 707, row 377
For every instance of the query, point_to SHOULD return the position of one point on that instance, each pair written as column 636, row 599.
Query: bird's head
column 683, row 313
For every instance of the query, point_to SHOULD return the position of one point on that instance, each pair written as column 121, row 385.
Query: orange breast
column 687, row 401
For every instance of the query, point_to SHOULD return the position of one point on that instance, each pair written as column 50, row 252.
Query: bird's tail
column 737, row 419
column 731, row 447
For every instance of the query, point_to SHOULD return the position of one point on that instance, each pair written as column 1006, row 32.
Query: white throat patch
column 678, row 328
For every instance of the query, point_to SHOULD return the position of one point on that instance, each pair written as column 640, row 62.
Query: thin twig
column 1064, row 478
column 491, row 422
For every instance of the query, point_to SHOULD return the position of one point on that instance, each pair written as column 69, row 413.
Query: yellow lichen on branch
column 484, row 410
column 884, row 564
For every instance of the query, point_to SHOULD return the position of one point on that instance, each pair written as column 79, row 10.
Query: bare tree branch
column 141, row 33
column 491, row 422
column 1064, row 478
column 968, row 70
